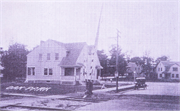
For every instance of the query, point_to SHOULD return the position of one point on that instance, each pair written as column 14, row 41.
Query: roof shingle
column 73, row 52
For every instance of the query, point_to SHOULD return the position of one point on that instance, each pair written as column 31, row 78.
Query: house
column 57, row 62
column 1, row 68
column 134, row 69
column 168, row 70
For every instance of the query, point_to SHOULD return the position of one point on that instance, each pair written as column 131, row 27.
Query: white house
column 134, row 69
column 168, row 70
column 53, row 61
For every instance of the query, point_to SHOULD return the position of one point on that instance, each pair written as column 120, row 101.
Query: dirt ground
column 158, row 96
column 136, row 102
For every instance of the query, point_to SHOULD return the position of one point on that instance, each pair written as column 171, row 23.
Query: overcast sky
column 145, row 25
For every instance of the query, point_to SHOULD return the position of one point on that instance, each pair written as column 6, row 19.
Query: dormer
column 67, row 53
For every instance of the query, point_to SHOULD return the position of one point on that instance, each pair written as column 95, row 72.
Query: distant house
column 134, row 69
column 1, row 68
column 168, row 70
column 53, row 61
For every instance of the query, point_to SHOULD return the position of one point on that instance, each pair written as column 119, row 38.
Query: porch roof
column 76, row 65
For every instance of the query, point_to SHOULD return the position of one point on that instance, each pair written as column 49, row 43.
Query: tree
column 103, row 61
column 14, row 61
column 162, row 58
column 121, row 61
column 137, row 60
column 147, row 66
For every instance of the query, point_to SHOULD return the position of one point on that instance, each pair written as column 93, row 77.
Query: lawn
column 36, row 88
column 46, row 88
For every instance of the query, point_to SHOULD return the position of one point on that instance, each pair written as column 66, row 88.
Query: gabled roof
column 73, row 52
column 131, row 64
column 90, row 48
column 168, row 64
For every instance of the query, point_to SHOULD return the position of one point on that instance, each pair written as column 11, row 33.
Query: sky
column 145, row 25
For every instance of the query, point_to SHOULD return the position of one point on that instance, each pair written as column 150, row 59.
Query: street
column 158, row 96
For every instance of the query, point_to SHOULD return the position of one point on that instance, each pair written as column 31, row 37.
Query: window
column 45, row 71
column 175, row 69
column 177, row 75
column 67, row 53
column 161, row 69
column 160, row 75
column 56, row 56
column 31, row 70
column 172, row 75
column 48, row 56
column 50, row 72
column 92, row 60
column 40, row 56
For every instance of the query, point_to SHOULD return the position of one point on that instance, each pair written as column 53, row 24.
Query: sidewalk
column 30, row 95
column 114, row 88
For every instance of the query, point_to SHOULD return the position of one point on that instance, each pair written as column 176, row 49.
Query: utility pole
column 117, row 75
column 116, row 72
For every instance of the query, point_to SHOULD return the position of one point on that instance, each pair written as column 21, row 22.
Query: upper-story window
column 175, row 69
column 161, row 68
column 48, row 56
column 172, row 75
column 56, row 56
column 40, row 56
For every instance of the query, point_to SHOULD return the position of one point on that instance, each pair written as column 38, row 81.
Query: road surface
column 158, row 96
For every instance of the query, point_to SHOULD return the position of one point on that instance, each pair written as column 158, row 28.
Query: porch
column 70, row 74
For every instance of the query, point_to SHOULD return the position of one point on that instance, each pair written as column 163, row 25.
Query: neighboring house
column 53, row 61
column 1, row 68
column 168, row 70
column 134, row 69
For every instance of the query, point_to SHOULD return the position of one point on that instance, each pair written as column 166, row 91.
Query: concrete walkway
column 36, row 96
column 113, row 88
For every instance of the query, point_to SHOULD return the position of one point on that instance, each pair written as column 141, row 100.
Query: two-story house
column 168, row 70
column 134, row 69
column 53, row 61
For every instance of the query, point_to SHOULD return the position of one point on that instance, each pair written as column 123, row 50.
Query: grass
column 56, row 89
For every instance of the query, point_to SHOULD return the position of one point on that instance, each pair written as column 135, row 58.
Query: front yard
column 40, row 88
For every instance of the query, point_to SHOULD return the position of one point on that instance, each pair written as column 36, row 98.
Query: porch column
column 99, row 73
column 75, row 73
